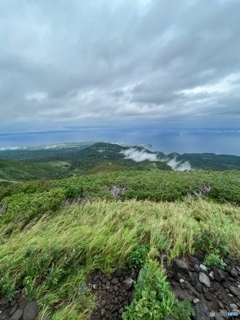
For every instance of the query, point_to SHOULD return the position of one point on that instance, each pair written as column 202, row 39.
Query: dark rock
column 198, row 287
column 201, row 312
column 119, row 272
column 199, row 255
column 234, row 273
column 179, row 267
column 22, row 304
column 30, row 311
column 114, row 281
column 5, row 314
column 14, row 308
column 17, row 315
column 208, row 296
column 218, row 317
column 233, row 307
column 182, row 285
column 194, row 261
column 235, row 291
column 219, row 274
column 194, row 281
column 128, row 283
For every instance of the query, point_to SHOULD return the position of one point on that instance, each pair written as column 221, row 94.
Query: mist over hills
column 72, row 159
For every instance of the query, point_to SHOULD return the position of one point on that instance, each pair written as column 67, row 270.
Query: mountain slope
column 110, row 157
column 69, row 160
column 208, row 161
column 73, row 159
column 11, row 171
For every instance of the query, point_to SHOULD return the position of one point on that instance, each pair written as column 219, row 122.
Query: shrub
column 213, row 259
column 153, row 299
column 138, row 256
column 208, row 241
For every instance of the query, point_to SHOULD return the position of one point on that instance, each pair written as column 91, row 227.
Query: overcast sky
column 71, row 63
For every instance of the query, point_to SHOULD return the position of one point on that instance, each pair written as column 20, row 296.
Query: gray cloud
column 66, row 63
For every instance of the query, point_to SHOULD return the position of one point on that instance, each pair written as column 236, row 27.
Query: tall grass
column 55, row 254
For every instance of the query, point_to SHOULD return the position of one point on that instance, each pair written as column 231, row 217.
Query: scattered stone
column 208, row 296
column 198, row 287
column 203, row 278
column 14, row 308
column 17, row 315
column 201, row 312
column 235, row 291
column 114, row 281
column 83, row 287
column 219, row 274
column 194, row 261
column 199, row 255
column 179, row 267
column 194, row 281
column 128, row 283
column 211, row 275
column 30, row 311
column 203, row 268
column 233, row 307
column 234, row 273
column 218, row 317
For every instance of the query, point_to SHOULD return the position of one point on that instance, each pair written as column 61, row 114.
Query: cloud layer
column 179, row 165
column 139, row 156
column 78, row 63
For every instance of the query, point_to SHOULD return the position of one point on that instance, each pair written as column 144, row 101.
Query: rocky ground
column 214, row 293
column 18, row 309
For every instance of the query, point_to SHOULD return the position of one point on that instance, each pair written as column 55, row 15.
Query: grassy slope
column 51, row 247
column 53, row 256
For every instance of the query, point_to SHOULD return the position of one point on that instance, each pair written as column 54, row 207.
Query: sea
column 218, row 141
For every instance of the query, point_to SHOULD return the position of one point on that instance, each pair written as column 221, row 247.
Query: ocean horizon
column 219, row 141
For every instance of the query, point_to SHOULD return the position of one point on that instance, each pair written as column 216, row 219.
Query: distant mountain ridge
column 73, row 159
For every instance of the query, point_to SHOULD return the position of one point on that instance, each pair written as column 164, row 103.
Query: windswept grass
column 54, row 255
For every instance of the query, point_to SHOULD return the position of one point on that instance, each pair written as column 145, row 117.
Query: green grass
column 53, row 255
column 51, row 247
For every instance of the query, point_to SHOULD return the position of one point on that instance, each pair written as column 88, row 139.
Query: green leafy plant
column 208, row 241
column 182, row 310
column 153, row 299
column 7, row 287
column 214, row 259
column 138, row 256
column 29, row 288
